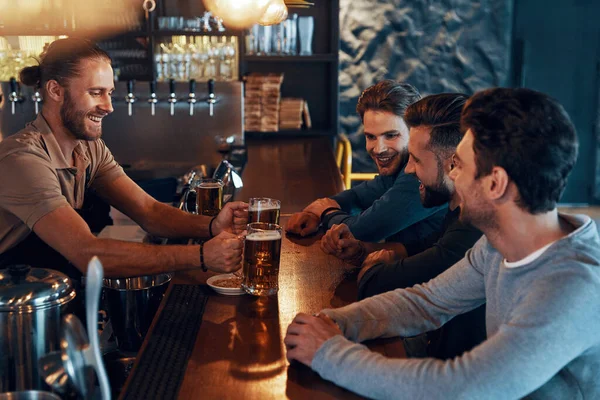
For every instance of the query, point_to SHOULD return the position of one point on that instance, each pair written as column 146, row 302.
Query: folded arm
column 381, row 211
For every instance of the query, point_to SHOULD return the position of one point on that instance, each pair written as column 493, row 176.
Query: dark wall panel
column 443, row 45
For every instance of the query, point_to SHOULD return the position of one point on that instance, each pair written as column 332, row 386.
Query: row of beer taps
column 211, row 99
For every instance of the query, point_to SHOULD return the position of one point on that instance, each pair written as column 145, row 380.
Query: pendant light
column 238, row 14
column 276, row 13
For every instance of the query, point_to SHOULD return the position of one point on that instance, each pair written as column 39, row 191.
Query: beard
column 75, row 120
column 435, row 196
column 398, row 161
column 476, row 212
column 440, row 193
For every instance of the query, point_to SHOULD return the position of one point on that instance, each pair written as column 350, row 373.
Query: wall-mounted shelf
column 311, row 58
column 166, row 33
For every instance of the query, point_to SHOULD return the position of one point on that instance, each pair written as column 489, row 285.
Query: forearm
column 415, row 310
column 367, row 248
column 124, row 259
column 398, row 248
column 511, row 363
column 170, row 222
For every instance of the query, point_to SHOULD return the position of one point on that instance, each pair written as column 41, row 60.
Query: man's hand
column 303, row 223
column 223, row 253
column 377, row 257
column 233, row 218
column 318, row 206
column 340, row 242
column 306, row 334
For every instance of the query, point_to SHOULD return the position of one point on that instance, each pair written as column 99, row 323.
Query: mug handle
column 185, row 201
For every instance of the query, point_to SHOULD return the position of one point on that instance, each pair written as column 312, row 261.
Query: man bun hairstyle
column 529, row 135
column 30, row 76
column 441, row 112
column 389, row 96
column 60, row 61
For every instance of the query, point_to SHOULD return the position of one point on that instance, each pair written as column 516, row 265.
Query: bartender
column 49, row 168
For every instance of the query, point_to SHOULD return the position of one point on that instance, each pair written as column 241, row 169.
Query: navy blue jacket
column 387, row 208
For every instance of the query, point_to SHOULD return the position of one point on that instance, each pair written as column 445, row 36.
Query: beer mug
column 209, row 196
column 262, row 209
column 262, row 250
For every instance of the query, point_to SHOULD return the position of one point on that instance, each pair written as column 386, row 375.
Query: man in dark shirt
column 435, row 132
column 387, row 207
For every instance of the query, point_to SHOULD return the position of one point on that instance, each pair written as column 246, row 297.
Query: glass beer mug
column 262, row 251
column 263, row 209
column 209, row 196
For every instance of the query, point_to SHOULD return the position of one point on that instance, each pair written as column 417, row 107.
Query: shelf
column 69, row 32
column 166, row 33
column 287, row 134
column 313, row 58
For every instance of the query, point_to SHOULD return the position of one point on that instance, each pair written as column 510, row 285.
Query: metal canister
column 32, row 302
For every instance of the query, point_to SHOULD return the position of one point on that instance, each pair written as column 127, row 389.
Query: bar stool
column 343, row 158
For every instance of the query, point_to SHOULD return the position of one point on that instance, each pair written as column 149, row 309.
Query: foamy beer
column 262, row 209
column 209, row 197
column 262, row 250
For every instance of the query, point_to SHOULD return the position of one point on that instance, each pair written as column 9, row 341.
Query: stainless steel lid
column 29, row 395
column 27, row 289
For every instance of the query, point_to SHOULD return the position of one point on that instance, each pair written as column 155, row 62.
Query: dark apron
column 35, row 252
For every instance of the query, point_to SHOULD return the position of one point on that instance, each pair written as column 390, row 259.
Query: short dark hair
column 61, row 61
column 527, row 133
column 387, row 95
column 442, row 113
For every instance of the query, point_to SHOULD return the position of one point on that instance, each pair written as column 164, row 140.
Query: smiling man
column 51, row 167
column 387, row 207
column 538, row 270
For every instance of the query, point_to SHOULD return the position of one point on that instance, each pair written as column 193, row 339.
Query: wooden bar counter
column 239, row 351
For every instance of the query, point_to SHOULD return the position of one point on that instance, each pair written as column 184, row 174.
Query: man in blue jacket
column 389, row 206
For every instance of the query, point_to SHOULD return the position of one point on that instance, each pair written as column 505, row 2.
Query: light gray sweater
column 542, row 320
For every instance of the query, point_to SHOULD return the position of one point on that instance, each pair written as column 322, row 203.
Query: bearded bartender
column 49, row 168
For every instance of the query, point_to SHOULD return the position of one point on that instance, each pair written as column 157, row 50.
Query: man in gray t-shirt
column 538, row 270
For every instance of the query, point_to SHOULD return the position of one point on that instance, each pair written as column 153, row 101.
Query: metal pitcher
column 131, row 306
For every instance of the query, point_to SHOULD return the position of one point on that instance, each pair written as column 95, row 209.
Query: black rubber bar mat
column 161, row 368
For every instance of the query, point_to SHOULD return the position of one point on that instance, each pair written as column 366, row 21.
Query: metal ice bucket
column 131, row 305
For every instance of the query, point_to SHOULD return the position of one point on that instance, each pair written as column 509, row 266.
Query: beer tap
column 153, row 99
column 172, row 97
column 37, row 99
column 192, row 96
column 130, row 98
column 15, row 94
column 212, row 99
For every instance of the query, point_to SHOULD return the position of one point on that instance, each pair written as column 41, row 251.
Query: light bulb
column 276, row 13
column 238, row 14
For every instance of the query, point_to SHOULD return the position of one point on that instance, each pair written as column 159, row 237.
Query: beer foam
column 264, row 236
column 209, row 185
column 260, row 207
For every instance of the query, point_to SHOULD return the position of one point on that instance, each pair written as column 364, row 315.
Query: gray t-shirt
column 542, row 320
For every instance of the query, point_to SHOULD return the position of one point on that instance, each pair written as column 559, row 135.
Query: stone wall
column 436, row 45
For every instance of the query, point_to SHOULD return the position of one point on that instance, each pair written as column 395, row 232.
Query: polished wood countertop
column 239, row 352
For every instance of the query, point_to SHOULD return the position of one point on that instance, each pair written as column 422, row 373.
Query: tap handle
column 192, row 86
column 172, row 85
column 13, row 84
column 211, row 87
column 130, row 86
column 152, row 86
